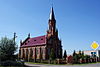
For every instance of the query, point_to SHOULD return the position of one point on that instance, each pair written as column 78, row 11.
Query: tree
column 52, row 54
column 86, row 56
column 75, row 57
column 7, row 49
column 74, row 53
column 65, row 54
column 82, row 54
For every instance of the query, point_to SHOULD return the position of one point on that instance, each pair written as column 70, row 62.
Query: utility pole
column 14, row 37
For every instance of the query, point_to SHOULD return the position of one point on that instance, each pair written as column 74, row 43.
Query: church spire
column 52, row 16
column 52, row 23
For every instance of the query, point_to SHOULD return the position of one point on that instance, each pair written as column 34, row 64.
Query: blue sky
column 78, row 21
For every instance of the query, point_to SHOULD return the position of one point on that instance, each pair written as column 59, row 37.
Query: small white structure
column 92, row 53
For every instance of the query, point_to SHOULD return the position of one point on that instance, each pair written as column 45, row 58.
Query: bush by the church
column 7, row 49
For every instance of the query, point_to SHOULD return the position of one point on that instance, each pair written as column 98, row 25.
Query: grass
column 34, row 63
column 98, row 62
column 44, row 63
column 61, row 64
column 85, row 63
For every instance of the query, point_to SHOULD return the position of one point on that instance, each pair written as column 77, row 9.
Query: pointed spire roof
column 52, row 16
column 29, row 35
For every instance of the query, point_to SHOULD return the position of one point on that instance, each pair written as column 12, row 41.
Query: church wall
column 37, row 52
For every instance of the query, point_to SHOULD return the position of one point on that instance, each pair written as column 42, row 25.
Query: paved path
column 47, row 65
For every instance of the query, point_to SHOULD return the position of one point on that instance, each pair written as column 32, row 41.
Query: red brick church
column 40, row 47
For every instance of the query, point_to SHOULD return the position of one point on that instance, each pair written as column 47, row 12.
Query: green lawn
column 44, row 63
column 61, row 64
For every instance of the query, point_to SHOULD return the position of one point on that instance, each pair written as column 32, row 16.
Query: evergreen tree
column 52, row 54
column 75, row 57
column 65, row 54
column 82, row 54
column 74, row 53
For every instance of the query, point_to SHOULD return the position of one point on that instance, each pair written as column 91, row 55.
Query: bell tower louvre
column 39, row 48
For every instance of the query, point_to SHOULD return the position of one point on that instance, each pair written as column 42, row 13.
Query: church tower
column 53, row 40
column 52, row 31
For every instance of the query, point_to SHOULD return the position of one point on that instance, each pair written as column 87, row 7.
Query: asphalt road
column 46, row 65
